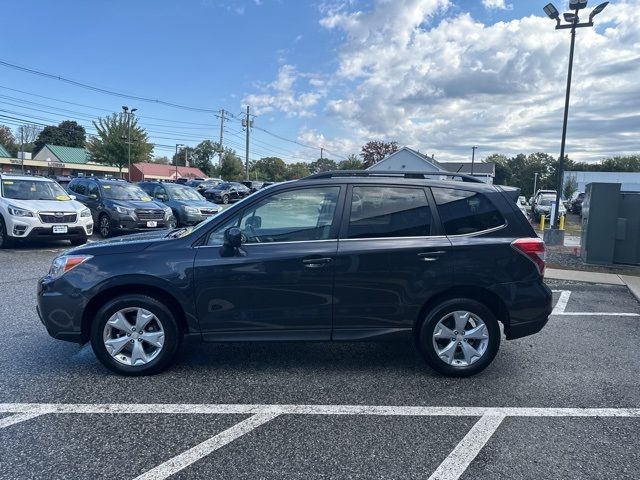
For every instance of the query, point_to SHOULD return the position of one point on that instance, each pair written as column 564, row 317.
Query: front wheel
column 135, row 335
column 459, row 337
column 104, row 226
column 225, row 199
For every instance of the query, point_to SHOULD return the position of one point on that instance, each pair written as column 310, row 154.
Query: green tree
column 271, row 168
column 8, row 141
column 66, row 134
column 203, row 156
column 503, row 169
column 297, row 170
column 570, row 187
column 323, row 165
column 374, row 151
column 110, row 145
column 231, row 168
column 351, row 163
column 164, row 160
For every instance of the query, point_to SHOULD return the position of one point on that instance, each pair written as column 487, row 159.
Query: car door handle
column 316, row 262
column 430, row 256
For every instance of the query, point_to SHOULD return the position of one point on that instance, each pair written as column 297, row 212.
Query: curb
column 631, row 282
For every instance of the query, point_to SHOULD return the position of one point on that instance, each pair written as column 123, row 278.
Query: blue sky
column 315, row 71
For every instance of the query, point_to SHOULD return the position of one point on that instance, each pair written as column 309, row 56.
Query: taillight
column 532, row 248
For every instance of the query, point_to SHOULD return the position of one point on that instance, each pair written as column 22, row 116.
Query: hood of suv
column 66, row 206
column 149, row 204
column 125, row 244
column 198, row 204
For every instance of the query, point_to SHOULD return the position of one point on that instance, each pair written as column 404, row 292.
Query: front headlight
column 167, row 212
column 124, row 210
column 191, row 210
column 19, row 212
column 64, row 263
column 85, row 213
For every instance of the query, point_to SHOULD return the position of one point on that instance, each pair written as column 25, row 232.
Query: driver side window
column 291, row 216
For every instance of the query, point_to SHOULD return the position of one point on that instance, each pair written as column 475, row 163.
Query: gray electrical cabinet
column 610, row 225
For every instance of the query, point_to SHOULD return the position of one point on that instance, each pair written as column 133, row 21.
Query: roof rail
column 391, row 173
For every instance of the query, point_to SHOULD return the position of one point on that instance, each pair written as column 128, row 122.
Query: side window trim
column 470, row 234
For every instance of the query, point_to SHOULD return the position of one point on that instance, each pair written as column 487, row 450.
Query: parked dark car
column 118, row 206
column 575, row 205
column 442, row 262
column 253, row 185
column 188, row 206
column 226, row 192
column 202, row 185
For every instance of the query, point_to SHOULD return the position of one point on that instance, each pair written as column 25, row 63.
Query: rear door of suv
column 391, row 257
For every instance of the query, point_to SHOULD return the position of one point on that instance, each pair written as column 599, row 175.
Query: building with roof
column 162, row 172
column 410, row 160
column 55, row 160
column 629, row 181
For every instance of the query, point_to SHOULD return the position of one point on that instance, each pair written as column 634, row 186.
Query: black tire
column 173, row 222
column 104, row 226
column 424, row 337
column 225, row 199
column 5, row 240
column 172, row 335
column 76, row 242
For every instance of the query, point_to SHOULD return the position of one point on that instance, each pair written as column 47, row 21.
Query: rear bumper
column 528, row 304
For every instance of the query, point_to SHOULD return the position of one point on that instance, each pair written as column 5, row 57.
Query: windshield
column 223, row 186
column 33, row 190
column 184, row 193
column 125, row 192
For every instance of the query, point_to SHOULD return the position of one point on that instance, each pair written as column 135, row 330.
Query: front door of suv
column 391, row 260
column 280, row 286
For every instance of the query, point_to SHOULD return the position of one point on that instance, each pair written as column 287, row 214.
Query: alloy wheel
column 460, row 338
column 133, row 336
column 105, row 227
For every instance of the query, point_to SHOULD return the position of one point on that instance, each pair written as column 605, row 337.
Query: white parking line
column 461, row 457
column 177, row 463
column 17, row 418
column 563, row 300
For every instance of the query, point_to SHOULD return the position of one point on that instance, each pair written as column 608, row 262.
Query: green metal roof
column 3, row 152
column 69, row 154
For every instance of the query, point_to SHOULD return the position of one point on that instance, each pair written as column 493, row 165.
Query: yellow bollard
column 542, row 223
column 562, row 222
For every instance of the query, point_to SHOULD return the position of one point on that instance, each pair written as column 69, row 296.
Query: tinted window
column 462, row 211
column 93, row 189
column 378, row 212
column 80, row 187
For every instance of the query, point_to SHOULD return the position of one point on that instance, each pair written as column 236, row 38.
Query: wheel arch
column 152, row 291
column 482, row 295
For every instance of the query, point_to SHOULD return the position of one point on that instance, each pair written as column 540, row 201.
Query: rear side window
column 80, row 187
column 383, row 212
column 93, row 189
column 463, row 212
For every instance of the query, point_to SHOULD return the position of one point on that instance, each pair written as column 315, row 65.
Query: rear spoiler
column 511, row 192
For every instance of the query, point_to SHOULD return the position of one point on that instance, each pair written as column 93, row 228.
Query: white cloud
column 444, row 85
column 497, row 4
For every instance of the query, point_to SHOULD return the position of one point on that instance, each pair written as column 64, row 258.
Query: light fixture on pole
column 573, row 23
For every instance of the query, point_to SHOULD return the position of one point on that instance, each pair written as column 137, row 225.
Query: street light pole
column 473, row 157
column 175, row 159
column 573, row 19
column 535, row 182
column 127, row 115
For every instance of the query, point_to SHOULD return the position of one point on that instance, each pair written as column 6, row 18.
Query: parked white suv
column 38, row 208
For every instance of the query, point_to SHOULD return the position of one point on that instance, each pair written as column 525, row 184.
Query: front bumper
column 33, row 228
column 60, row 309
column 124, row 224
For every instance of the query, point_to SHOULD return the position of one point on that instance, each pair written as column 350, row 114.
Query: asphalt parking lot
column 561, row 404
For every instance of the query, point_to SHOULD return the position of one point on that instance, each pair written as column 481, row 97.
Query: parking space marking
column 248, row 409
column 463, row 454
column 183, row 460
column 18, row 417
column 563, row 300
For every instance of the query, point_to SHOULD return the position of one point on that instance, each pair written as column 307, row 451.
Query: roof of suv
column 19, row 176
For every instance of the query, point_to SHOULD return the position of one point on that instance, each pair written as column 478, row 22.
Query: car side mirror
column 233, row 240
column 72, row 197
column 162, row 197
column 93, row 196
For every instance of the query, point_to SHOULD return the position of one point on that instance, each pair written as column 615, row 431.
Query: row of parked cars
column 34, row 207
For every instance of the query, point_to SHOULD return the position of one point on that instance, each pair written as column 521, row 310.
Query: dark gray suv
column 118, row 206
column 337, row 256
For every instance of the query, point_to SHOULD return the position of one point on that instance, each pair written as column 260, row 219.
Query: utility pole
column 473, row 157
column 535, row 182
column 221, row 137
column 321, row 153
column 247, row 123
column 175, row 159
column 127, row 115
column 186, row 153
column 22, row 147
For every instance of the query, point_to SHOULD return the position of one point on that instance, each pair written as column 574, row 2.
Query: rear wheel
column 135, row 335
column 225, row 199
column 459, row 337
